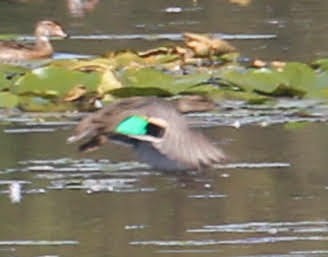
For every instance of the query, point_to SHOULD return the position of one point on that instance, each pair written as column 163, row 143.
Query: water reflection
column 79, row 8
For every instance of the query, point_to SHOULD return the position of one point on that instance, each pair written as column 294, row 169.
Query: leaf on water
column 42, row 104
column 159, row 55
column 75, row 93
column 148, row 78
column 203, row 45
column 89, row 65
column 47, row 79
column 156, row 79
column 101, row 66
column 321, row 64
column 299, row 76
column 8, row 100
column 292, row 79
column 263, row 80
column 108, row 82
column 194, row 103
column 123, row 59
column 8, row 74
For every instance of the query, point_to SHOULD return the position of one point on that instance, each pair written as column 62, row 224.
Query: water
column 300, row 34
column 268, row 200
column 106, row 204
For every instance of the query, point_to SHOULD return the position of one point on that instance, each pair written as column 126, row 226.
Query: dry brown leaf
column 279, row 65
column 194, row 103
column 203, row 45
column 75, row 93
column 257, row 63
column 156, row 51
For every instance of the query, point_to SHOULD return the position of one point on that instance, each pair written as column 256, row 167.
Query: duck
column 155, row 129
column 13, row 51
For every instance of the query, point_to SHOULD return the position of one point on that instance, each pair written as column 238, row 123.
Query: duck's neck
column 42, row 45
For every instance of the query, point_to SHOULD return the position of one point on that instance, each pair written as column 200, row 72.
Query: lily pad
column 321, row 64
column 43, row 104
column 295, row 79
column 8, row 100
column 299, row 76
column 52, row 80
column 153, row 78
column 8, row 74
column 262, row 80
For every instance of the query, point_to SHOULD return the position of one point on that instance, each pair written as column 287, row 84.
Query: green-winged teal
column 154, row 128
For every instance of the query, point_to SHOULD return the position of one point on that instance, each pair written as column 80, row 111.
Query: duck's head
column 47, row 28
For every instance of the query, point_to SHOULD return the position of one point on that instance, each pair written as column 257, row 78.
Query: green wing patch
column 133, row 125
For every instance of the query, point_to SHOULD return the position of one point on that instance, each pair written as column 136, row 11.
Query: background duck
column 42, row 48
column 154, row 128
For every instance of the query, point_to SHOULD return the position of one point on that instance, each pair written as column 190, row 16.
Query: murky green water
column 299, row 25
column 90, row 205
column 56, row 202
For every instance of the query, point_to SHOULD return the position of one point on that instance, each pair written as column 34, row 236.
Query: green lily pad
column 43, row 104
column 153, row 78
column 8, row 100
column 124, row 59
column 148, row 78
column 321, row 64
column 262, row 80
column 295, row 79
column 52, row 80
column 299, row 76
column 8, row 74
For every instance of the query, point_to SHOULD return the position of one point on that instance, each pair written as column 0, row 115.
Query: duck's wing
column 177, row 142
column 14, row 45
column 170, row 138
column 98, row 126
column 189, row 147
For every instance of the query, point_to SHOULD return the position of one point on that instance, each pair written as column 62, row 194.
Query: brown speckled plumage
column 11, row 51
column 177, row 147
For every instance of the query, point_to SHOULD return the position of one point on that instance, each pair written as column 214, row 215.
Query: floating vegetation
column 203, row 65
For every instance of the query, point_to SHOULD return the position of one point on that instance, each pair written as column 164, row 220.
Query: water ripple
column 245, row 241
column 268, row 227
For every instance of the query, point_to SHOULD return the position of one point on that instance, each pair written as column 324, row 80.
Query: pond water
column 299, row 25
column 270, row 199
column 98, row 206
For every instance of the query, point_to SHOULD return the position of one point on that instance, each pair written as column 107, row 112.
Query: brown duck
column 42, row 48
column 154, row 128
